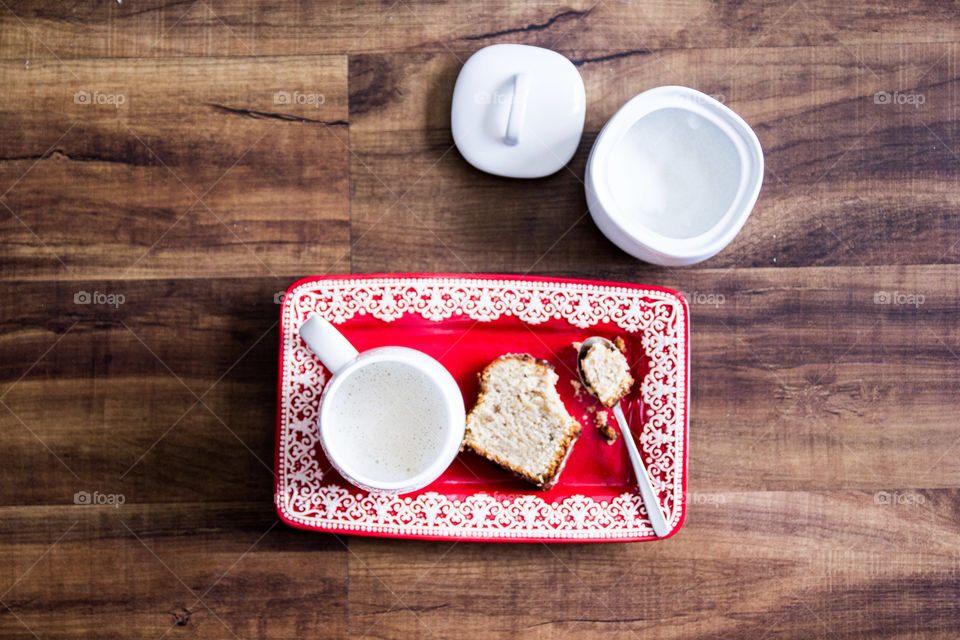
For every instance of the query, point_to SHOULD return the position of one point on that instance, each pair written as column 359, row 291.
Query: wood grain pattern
column 246, row 27
column 183, row 570
column 125, row 404
column 148, row 168
column 823, row 463
column 812, row 574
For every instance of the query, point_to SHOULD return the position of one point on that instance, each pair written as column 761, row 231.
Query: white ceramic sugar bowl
column 673, row 176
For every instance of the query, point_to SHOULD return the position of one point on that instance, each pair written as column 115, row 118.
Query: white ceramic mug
column 392, row 419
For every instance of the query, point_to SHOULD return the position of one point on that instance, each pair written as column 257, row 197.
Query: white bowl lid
column 518, row 110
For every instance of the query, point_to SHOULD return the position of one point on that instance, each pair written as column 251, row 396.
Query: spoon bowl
column 585, row 347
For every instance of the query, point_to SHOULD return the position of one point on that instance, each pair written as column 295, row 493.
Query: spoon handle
column 650, row 501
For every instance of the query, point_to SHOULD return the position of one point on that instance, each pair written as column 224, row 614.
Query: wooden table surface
column 144, row 161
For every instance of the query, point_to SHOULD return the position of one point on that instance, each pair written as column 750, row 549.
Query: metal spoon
column 650, row 501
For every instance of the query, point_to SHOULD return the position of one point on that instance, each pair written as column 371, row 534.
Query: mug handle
column 329, row 344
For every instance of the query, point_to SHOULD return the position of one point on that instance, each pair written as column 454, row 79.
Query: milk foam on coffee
column 386, row 422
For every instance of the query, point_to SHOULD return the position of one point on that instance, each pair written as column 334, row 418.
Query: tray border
column 527, row 507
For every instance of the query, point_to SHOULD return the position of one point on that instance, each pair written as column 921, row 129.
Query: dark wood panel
column 245, row 27
column 746, row 565
column 157, row 329
column 848, row 181
column 809, row 378
column 184, row 570
column 115, row 399
column 193, row 169
column 147, row 438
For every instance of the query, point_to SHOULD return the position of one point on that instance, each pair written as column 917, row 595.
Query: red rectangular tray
column 465, row 322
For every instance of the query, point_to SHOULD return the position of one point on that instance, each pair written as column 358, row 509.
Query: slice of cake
column 519, row 421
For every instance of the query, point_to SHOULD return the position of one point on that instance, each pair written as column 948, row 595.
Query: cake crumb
column 577, row 388
column 602, row 420
column 618, row 341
